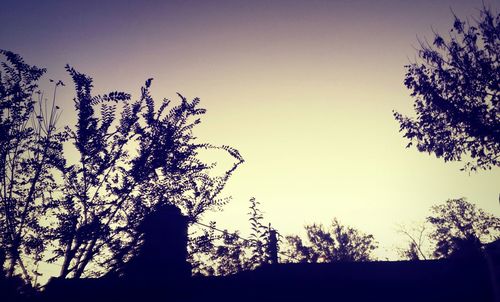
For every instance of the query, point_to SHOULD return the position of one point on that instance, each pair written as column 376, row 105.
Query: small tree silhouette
column 460, row 228
column 418, row 239
column 338, row 243
column 456, row 228
column 229, row 253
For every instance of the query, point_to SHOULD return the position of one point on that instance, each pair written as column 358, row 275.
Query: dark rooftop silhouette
column 161, row 272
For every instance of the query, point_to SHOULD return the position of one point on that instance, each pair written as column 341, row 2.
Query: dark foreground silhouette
column 161, row 273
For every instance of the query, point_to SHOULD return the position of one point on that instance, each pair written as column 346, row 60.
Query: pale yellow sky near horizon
column 303, row 89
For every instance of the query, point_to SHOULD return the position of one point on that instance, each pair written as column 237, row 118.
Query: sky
column 303, row 89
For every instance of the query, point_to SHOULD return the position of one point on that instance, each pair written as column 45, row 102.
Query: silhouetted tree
column 338, row 243
column 412, row 252
column 30, row 154
column 229, row 253
column 127, row 166
column 456, row 91
column 460, row 228
column 418, row 237
column 456, row 228
column 259, row 237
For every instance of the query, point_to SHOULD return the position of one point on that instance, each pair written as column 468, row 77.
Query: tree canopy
column 459, row 227
column 455, row 228
column 336, row 243
column 131, row 157
column 455, row 85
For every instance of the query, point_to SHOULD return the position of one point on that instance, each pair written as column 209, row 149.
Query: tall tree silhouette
column 127, row 167
column 30, row 154
column 133, row 157
column 456, row 90
column 337, row 243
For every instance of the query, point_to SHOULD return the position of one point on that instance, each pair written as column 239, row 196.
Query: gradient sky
column 303, row 89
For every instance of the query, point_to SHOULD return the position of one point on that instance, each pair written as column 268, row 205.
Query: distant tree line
column 454, row 229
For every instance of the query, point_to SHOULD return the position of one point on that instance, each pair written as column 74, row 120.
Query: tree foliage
column 456, row 90
column 30, row 155
column 131, row 157
column 148, row 158
column 337, row 243
column 456, row 228
column 228, row 253
column 459, row 228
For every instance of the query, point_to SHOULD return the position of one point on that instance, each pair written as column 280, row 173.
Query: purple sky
column 303, row 89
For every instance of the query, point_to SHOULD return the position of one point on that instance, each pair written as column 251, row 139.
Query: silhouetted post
column 272, row 246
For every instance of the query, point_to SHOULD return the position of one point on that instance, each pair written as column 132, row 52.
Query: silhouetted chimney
column 163, row 255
